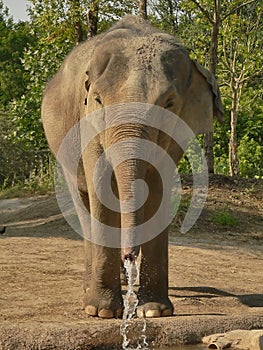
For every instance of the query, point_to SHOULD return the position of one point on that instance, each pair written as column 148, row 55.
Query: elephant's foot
column 154, row 307
column 103, row 304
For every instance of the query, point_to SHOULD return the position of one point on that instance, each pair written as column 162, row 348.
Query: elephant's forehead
column 141, row 52
column 145, row 54
column 147, row 51
column 120, row 62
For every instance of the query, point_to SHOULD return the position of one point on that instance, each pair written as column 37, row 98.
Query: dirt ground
column 216, row 279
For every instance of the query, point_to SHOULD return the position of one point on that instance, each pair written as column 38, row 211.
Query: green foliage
column 18, row 163
column 221, row 138
column 18, row 158
column 111, row 11
column 250, row 158
column 165, row 15
column 34, row 184
column 239, row 71
column 14, row 38
column 23, row 149
column 40, row 63
column 224, row 218
column 191, row 162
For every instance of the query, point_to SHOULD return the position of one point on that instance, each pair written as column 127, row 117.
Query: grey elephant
column 131, row 64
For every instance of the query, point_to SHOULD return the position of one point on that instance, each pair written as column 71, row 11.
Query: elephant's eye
column 98, row 99
column 169, row 103
column 87, row 85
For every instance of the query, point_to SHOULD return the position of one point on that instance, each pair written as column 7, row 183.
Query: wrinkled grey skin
column 132, row 62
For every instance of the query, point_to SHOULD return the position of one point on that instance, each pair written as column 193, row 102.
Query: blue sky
column 17, row 9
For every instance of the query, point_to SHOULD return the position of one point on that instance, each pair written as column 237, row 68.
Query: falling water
column 130, row 305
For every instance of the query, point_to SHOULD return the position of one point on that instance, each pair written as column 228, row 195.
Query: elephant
column 131, row 64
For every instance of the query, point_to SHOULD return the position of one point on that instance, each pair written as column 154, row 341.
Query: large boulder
column 238, row 339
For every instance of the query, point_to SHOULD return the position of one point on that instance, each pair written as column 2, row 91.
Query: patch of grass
column 21, row 190
column 17, row 190
column 224, row 218
column 250, row 190
column 39, row 182
column 179, row 207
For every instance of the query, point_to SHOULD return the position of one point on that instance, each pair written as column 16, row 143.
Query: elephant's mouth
column 131, row 257
column 130, row 254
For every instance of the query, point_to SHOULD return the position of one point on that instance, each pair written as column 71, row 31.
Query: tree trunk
column 208, row 145
column 171, row 6
column 233, row 154
column 214, row 38
column 209, row 137
column 77, row 21
column 143, row 9
column 93, row 18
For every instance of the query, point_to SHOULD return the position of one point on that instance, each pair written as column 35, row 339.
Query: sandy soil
column 216, row 279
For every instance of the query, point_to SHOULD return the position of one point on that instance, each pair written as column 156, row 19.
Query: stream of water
column 130, row 305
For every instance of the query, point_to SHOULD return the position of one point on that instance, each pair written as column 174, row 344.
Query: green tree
column 250, row 157
column 216, row 13
column 165, row 14
column 14, row 38
column 54, row 26
column 241, row 69
column 15, row 164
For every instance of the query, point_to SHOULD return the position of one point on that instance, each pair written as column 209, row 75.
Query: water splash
column 143, row 340
column 130, row 305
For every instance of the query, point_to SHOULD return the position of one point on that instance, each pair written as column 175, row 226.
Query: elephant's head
column 134, row 62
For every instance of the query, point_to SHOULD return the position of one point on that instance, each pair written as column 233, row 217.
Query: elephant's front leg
column 103, row 296
column 153, row 293
column 103, row 293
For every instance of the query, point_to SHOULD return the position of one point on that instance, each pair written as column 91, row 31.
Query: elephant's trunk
column 132, row 190
column 128, row 154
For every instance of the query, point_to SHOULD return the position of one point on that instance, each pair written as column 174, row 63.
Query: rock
column 238, row 339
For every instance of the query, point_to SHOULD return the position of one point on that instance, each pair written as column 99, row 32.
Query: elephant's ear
column 218, row 110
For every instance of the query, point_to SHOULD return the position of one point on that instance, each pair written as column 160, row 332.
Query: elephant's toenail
column 91, row 310
column 106, row 313
column 140, row 313
column 152, row 313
